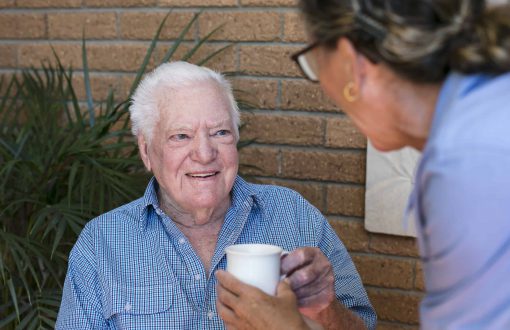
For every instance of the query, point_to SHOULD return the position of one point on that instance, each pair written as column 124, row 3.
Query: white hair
column 174, row 75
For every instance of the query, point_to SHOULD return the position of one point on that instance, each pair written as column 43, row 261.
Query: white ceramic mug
column 255, row 264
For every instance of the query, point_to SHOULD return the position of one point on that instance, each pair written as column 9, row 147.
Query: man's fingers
column 304, row 265
column 307, row 276
column 295, row 260
column 308, row 287
column 311, row 278
column 318, row 300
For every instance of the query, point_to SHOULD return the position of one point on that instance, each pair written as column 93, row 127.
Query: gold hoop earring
column 349, row 92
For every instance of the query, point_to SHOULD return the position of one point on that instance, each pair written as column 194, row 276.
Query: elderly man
column 151, row 264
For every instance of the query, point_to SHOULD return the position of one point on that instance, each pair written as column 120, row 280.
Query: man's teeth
column 204, row 175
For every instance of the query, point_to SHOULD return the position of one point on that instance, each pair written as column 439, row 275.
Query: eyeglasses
column 307, row 63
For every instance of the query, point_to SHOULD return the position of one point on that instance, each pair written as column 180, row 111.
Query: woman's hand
column 242, row 306
column 310, row 275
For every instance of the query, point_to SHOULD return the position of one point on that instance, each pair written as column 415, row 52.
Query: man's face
column 193, row 152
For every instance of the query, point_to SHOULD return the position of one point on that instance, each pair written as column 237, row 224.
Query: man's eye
column 179, row 137
column 222, row 132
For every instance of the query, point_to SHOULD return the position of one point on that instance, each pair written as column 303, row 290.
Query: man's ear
column 144, row 151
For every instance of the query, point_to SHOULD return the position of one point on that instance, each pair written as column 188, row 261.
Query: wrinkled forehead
column 202, row 100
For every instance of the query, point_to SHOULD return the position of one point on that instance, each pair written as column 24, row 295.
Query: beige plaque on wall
column 390, row 177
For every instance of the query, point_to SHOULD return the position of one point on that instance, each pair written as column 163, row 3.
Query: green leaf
column 48, row 321
column 74, row 99
column 148, row 55
column 35, row 324
column 90, row 103
column 214, row 54
column 7, row 320
column 14, row 297
column 171, row 51
column 70, row 183
column 199, row 44
column 12, row 316
column 26, row 319
column 58, row 237
column 5, row 98
column 21, row 259
column 2, row 268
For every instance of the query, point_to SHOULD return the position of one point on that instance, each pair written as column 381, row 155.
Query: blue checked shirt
column 132, row 268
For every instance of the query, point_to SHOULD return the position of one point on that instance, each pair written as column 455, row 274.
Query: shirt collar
column 243, row 191
column 150, row 197
column 455, row 87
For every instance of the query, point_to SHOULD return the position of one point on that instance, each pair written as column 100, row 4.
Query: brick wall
column 303, row 141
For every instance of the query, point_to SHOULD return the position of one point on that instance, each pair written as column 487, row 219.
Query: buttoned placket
column 235, row 220
column 205, row 305
column 197, row 293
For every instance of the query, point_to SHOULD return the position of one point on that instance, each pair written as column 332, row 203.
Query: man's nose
column 204, row 150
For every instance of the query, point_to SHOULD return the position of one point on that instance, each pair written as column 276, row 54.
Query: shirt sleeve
column 348, row 285
column 81, row 306
column 465, row 229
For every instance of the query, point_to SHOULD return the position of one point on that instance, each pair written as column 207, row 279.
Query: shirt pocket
column 138, row 307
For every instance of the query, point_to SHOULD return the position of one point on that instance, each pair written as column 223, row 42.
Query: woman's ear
column 354, row 63
column 144, row 151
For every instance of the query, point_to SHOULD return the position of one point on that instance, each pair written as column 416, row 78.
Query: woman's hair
column 421, row 40
column 147, row 98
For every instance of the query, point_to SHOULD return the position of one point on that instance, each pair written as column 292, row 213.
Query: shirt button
column 197, row 277
column 210, row 315
column 128, row 307
column 181, row 240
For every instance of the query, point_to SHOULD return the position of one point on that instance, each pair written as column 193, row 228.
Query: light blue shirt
column 132, row 268
column 462, row 203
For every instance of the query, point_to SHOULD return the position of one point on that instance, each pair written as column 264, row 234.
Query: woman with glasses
column 432, row 75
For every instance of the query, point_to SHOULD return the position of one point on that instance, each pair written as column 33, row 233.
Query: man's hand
column 242, row 306
column 311, row 278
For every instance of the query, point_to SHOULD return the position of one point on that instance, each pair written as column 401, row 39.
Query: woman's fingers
column 227, row 300
column 225, row 297
column 229, row 282
column 283, row 290
column 226, row 314
column 243, row 306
